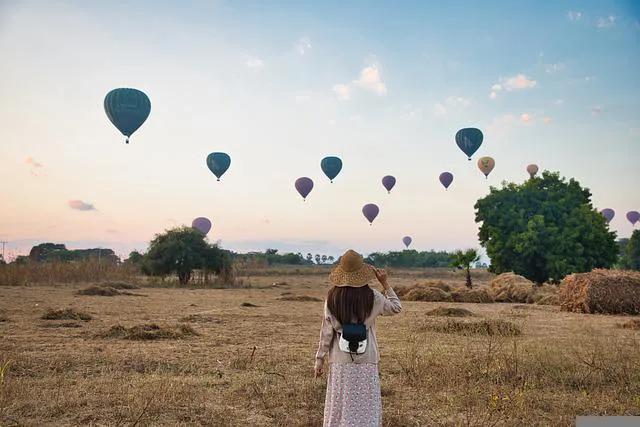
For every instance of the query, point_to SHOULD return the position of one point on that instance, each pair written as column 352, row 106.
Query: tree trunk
column 184, row 277
column 469, row 285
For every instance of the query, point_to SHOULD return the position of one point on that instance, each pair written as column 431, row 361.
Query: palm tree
column 331, row 259
column 464, row 259
column 324, row 259
column 318, row 258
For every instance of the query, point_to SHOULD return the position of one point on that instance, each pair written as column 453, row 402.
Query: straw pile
column 601, row 291
column 509, row 287
column 427, row 293
column 472, row 295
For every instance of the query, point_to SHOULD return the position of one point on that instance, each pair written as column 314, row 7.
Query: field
column 245, row 357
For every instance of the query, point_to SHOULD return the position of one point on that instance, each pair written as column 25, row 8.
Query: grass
column 560, row 365
column 64, row 272
column 105, row 291
column 66, row 314
column 449, row 312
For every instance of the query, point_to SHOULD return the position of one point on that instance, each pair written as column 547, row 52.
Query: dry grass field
column 171, row 356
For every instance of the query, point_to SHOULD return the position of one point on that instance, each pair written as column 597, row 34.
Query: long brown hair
column 350, row 304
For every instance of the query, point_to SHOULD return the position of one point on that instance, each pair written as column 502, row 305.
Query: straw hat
column 352, row 271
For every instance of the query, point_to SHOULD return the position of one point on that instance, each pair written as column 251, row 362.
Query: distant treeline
column 410, row 258
column 49, row 252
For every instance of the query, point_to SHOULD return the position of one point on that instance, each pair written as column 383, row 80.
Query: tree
column 544, row 229
column 135, row 258
column 309, row 257
column 331, row 259
column 180, row 251
column 464, row 259
column 317, row 259
column 631, row 255
column 324, row 259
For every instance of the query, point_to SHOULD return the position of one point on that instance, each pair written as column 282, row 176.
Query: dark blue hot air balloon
column 127, row 109
column 469, row 140
column 304, row 185
column 331, row 166
column 218, row 163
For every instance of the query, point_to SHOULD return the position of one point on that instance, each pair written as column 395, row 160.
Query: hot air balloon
column 388, row 182
column 608, row 214
column 633, row 217
column 304, row 186
column 469, row 140
column 370, row 211
column 532, row 169
column 127, row 109
column 201, row 224
column 218, row 163
column 331, row 166
column 486, row 165
column 446, row 178
column 407, row 240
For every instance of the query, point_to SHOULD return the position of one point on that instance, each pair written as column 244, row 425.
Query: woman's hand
column 318, row 368
column 381, row 275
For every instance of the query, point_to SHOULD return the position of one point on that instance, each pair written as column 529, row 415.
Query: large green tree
column 544, row 229
column 630, row 258
column 182, row 250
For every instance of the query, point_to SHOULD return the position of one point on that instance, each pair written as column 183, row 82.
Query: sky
column 280, row 85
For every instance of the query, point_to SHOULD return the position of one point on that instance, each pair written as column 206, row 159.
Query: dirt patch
column 149, row 331
column 630, row 324
column 300, row 298
column 483, row 327
column 450, row 312
column 105, row 291
column 66, row 314
column 200, row 318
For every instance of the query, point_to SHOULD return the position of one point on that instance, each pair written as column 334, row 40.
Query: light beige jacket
column 331, row 330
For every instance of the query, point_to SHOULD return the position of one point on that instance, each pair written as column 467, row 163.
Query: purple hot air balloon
column 201, row 224
column 446, row 178
column 389, row 182
column 370, row 211
column 407, row 240
column 633, row 217
column 304, row 186
column 608, row 214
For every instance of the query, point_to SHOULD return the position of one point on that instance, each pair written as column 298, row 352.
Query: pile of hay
column 631, row 324
column 510, row 287
column 66, row 314
column 482, row 327
column 248, row 304
column 105, row 291
column 149, row 331
column 601, row 291
column 472, row 295
column 404, row 290
column 300, row 298
column 450, row 312
column 428, row 293
column 119, row 285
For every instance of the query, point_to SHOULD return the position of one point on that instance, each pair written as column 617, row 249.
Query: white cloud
column 371, row 80
column 80, row 205
column 343, row 92
column 607, row 22
column 31, row 161
column 451, row 103
column 254, row 64
column 303, row 45
column 517, row 82
column 554, row 68
column 526, row 118
column 574, row 15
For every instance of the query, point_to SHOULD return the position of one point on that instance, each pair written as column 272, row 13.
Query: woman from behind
column 348, row 340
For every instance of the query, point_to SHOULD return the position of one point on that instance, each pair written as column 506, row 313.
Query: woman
column 348, row 337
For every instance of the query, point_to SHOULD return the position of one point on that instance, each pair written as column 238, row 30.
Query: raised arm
column 391, row 304
column 326, row 336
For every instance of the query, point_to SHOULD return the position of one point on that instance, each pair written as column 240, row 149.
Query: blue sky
column 279, row 85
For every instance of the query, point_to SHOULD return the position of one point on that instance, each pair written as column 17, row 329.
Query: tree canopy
column 544, row 229
column 630, row 258
column 182, row 250
column 410, row 258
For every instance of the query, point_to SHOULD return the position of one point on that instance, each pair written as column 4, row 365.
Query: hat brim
column 358, row 278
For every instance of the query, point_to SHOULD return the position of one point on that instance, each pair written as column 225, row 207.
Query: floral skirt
column 353, row 396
